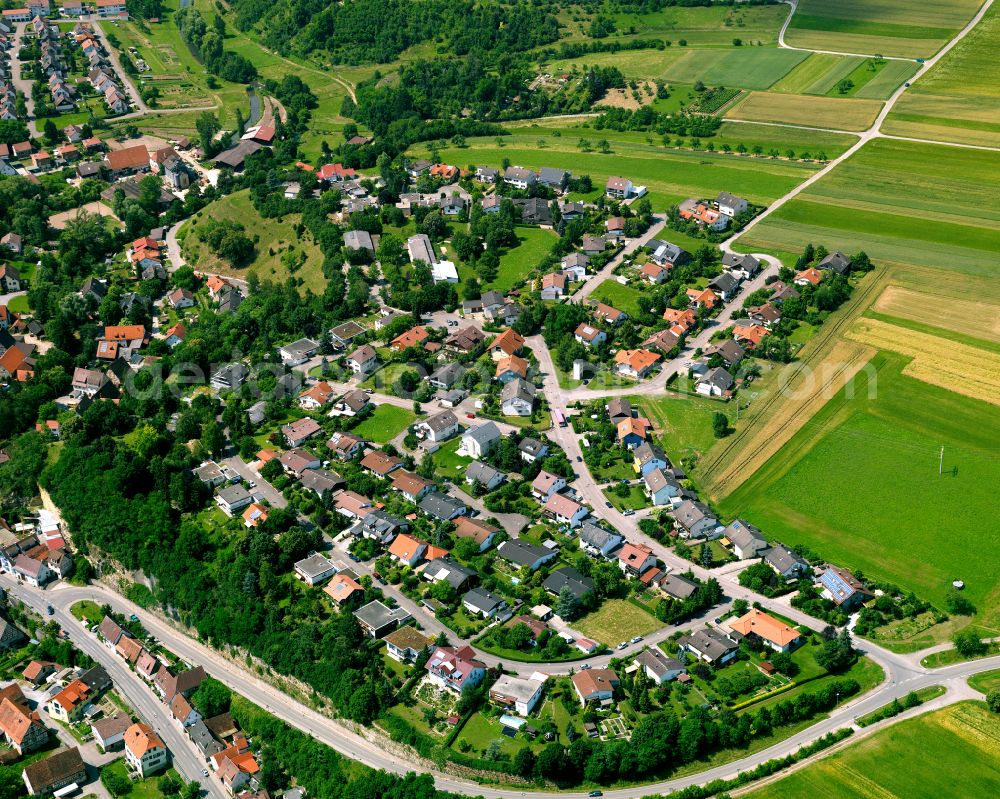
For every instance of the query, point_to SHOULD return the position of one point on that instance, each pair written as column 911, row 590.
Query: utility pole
column 941, row 463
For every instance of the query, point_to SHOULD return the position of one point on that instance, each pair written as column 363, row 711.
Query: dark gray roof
column 678, row 587
column 742, row 534
column 530, row 446
column 657, row 662
column 484, row 434
column 595, row 536
column 783, row 559
column 442, row 506
column 483, row 472
column 376, row 615
column 453, row 573
column 568, row 578
column 203, row 739
column 710, row 642
column 482, row 600
column 523, row 553
column 836, row 262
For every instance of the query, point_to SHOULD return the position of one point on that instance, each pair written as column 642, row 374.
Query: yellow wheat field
column 969, row 317
column 956, row 367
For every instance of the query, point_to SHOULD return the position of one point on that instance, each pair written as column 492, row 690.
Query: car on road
column 622, row 645
column 50, row 610
column 608, row 505
column 204, row 772
column 596, row 793
column 251, row 483
column 354, row 557
column 579, row 459
column 584, row 667
column 636, row 640
column 133, row 617
column 718, row 619
column 628, row 512
column 470, row 416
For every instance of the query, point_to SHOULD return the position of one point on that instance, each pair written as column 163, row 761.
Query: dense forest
column 378, row 31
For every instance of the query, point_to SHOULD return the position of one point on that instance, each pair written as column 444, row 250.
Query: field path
column 874, row 132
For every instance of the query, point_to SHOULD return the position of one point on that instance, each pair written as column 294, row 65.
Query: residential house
column 648, row 456
column 480, row 441
column 442, row 507
column 144, row 751
column 703, row 214
column 351, row 404
column 448, row 375
column 618, row 410
column 480, row 602
column 589, row 336
column 109, row 732
column 405, row 644
column 636, row 363
column 725, row 286
column 317, row 396
column 315, row 569
column 414, row 337
column 545, row 485
column 344, row 445
column 457, row 576
column 519, row 177
column 747, row 541
column 786, row 563
column 568, row 579
column 511, row 368
column 667, row 254
column 574, row 266
column 749, row 336
column 479, row 473
column 380, row 463
column 169, row 685
column 378, row 620
column 743, row 266
column 359, row 240
column 531, row 449
column 455, row 669
column 553, row 286
column 298, row 352
column 300, row 431
column 55, row 772
column 413, row 487
column 363, row 360
column 634, row 559
column 595, row 685
column 464, row 341
column 702, row 298
column 352, row 505
column 320, row 481
column 183, row 712
column 128, row 160
column 407, row 550
column 518, row 694
column 20, row 727
column 728, row 350
column 481, row 532
column 714, row 383
column 344, row 589
column 694, row 519
column 633, row 432
column 653, row 273
column 660, row 668
column 525, row 555
column 808, row 277
column 233, row 498
column 767, row 314
column 439, row 427
column 712, row 645
column 661, row 487
column 769, row 630
column 843, row 588
column 835, row 262
column 730, row 204
column 619, row 188
column 592, row 245
column 254, row 514
column 609, row 315
column 506, row 344
column 564, row 510
column 517, row 398
column 597, row 541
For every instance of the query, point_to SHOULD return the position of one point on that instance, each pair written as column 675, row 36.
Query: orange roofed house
column 20, row 726
column 413, row 337
column 506, row 344
column 776, row 634
column 127, row 161
column 120, row 341
column 703, row 214
column 702, row 298
column 144, row 751
column 636, row 363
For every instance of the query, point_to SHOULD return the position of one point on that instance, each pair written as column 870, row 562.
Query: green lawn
column 951, row 656
column 908, row 28
column 277, row 243
column 624, row 298
column 449, row 463
column 516, row 263
column 87, row 609
column 900, row 202
column 950, row 752
column 683, row 423
column 19, row 304
column 142, row 789
column 387, row 422
column 986, row 681
column 635, row 500
column 616, row 620
column 860, row 485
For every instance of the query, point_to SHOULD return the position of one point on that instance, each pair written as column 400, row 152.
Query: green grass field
column 986, row 681
column 684, row 424
column 740, row 67
column 905, row 28
column 19, row 304
column 387, row 422
column 616, row 620
column 859, row 483
column 277, row 237
column 817, row 74
column 515, row 264
column 900, row 202
column 624, row 298
column 670, row 175
column 956, row 100
column 963, row 740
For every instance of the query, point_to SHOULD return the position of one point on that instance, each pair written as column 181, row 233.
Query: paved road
column 139, row 695
column 349, row 743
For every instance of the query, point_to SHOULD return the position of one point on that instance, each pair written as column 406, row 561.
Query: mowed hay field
column 821, row 72
column 902, row 28
column 859, row 483
column 894, row 763
column 278, row 235
column 670, row 175
column 902, row 203
column 836, row 113
column 957, row 99
column 972, row 318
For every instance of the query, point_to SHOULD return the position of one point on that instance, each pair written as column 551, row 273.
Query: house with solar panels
column 843, row 588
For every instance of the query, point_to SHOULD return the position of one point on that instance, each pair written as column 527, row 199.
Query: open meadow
column 860, row 484
column 278, row 242
column 896, row 763
column 901, row 202
column 616, row 620
column 902, row 28
column 957, row 99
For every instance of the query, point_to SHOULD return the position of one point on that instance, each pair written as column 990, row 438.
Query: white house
column 545, row 485
column 730, row 204
column 480, row 441
column 564, row 510
column 439, row 427
column 363, row 360
column 517, row 693
column 661, row 487
column 144, row 751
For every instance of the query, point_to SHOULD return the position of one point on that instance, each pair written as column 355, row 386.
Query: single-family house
column 564, row 510
column 598, row 541
column 524, row 554
column 747, row 541
column 480, row 602
column 455, row 669
column 595, row 685
column 634, row 559
column 776, row 634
